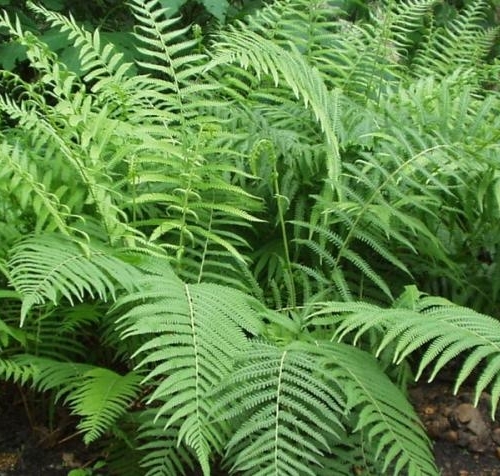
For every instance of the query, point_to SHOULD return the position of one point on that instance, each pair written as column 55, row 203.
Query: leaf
column 217, row 8
column 101, row 398
column 50, row 267
column 380, row 410
column 193, row 331
column 288, row 415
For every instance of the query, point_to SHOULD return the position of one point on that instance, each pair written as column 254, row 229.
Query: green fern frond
column 331, row 262
column 20, row 372
column 101, row 64
column 49, row 267
column 22, row 175
column 400, row 21
column 100, row 399
column 170, row 55
column 389, row 423
column 163, row 455
column 268, row 59
column 193, row 331
column 443, row 330
column 97, row 395
column 278, row 397
column 461, row 43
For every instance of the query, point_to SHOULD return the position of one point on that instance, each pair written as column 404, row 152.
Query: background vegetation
column 231, row 242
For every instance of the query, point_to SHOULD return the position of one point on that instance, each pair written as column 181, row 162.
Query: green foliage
column 97, row 395
column 204, row 241
column 191, row 339
column 278, row 401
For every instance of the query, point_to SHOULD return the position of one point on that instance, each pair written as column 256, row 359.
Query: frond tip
column 444, row 330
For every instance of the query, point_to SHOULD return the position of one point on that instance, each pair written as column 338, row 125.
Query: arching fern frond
column 101, row 65
column 97, row 395
column 384, row 415
column 50, row 267
column 100, row 399
column 443, row 330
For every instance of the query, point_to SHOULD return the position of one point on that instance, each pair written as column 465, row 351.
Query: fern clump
column 223, row 252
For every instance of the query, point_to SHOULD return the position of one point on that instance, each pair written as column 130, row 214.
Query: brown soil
column 466, row 441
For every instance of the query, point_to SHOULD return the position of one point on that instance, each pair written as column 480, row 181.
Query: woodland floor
column 466, row 442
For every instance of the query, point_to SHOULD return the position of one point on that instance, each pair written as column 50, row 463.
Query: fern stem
column 205, row 247
column 195, row 349
column 276, row 420
column 281, row 216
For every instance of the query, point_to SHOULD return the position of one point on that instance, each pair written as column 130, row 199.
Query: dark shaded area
column 30, row 446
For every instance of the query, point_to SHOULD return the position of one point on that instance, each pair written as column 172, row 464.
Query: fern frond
column 97, row 395
column 399, row 21
column 100, row 399
column 193, row 331
column 163, row 455
column 19, row 171
column 49, row 267
column 443, row 330
column 101, row 64
column 389, row 423
column 279, row 397
column 461, row 43
column 269, row 59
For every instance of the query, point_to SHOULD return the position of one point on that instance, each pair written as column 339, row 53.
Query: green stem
column 281, row 215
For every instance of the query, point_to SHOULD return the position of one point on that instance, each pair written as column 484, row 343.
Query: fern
column 299, row 156
column 98, row 395
column 276, row 397
column 389, row 422
column 463, row 43
column 50, row 267
column 444, row 330
column 100, row 399
column 269, row 59
column 164, row 456
column 192, row 330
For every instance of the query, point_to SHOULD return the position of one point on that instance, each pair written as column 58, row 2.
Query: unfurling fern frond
column 288, row 66
column 288, row 415
column 192, row 331
column 52, row 267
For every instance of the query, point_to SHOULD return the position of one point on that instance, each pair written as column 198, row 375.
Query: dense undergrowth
column 225, row 253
